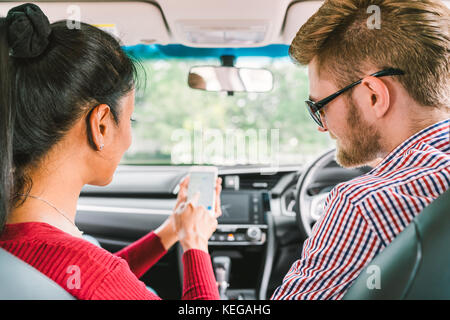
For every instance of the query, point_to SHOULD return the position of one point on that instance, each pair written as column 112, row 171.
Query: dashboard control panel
column 243, row 220
column 239, row 235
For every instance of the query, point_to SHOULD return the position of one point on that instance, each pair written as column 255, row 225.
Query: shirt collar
column 425, row 134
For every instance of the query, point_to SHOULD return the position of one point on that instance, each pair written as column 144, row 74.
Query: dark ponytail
column 53, row 76
column 6, row 126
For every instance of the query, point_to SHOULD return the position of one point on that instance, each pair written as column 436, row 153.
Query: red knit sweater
column 89, row 272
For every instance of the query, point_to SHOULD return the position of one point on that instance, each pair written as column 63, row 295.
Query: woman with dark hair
column 67, row 96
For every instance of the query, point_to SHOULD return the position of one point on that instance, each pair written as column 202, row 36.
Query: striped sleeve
column 341, row 244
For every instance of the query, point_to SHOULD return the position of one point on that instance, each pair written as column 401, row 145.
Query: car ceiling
column 194, row 23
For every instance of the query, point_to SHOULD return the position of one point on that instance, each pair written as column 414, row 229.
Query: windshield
column 177, row 125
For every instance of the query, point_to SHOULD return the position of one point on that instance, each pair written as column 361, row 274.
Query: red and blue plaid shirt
column 362, row 216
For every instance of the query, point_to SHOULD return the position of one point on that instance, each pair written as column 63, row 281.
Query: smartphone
column 203, row 180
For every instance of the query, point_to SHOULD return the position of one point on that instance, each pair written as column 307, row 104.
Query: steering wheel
column 309, row 208
column 314, row 186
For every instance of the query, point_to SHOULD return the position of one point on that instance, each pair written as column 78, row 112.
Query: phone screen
column 205, row 183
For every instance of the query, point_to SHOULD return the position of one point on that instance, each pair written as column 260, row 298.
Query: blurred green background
column 169, row 116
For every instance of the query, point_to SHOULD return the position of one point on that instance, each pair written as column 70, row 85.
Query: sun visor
column 296, row 16
column 299, row 12
column 132, row 22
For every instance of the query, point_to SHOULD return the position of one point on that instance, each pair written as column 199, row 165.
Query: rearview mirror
column 230, row 79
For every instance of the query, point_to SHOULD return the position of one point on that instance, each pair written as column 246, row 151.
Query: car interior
column 217, row 87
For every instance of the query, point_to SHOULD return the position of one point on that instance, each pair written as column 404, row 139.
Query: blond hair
column 412, row 36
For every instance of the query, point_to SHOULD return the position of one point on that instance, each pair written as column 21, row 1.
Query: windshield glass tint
column 177, row 125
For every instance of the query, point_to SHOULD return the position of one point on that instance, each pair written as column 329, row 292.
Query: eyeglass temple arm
column 383, row 73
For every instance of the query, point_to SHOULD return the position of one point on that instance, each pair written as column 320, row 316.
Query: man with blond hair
column 379, row 85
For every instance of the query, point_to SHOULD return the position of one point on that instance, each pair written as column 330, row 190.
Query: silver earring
column 101, row 146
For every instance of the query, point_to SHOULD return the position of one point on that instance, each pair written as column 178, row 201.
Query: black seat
column 416, row 264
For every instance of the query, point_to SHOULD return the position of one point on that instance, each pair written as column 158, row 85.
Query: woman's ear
column 99, row 122
column 379, row 95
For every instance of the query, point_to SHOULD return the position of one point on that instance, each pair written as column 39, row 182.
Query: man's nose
column 324, row 124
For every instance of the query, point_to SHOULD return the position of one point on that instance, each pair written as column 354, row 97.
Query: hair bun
column 28, row 31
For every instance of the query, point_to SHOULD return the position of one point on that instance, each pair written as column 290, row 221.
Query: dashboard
column 139, row 199
column 257, row 233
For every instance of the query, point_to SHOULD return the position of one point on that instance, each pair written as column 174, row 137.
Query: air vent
column 258, row 181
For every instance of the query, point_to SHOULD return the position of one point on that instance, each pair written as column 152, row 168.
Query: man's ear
column 99, row 122
column 379, row 95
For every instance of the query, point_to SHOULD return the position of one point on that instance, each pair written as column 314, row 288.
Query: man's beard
column 363, row 141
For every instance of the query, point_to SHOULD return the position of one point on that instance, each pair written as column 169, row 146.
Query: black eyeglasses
column 315, row 107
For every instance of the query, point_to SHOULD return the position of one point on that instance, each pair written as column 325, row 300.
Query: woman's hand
column 171, row 230
column 182, row 195
column 193, row 224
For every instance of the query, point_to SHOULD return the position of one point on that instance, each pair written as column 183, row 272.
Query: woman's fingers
column 194, row 225
column 183, row 187
column 218, row 209
column 219, row 182
column 194, row 201
column 182, row 192
column 184, row 184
